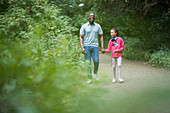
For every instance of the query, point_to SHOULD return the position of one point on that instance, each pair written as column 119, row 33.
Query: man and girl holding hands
column 89, row 33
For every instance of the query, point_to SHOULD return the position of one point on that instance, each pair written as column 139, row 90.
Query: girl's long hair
column 116, row 31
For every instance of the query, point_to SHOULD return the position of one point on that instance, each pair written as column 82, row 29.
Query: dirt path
column 146, row 89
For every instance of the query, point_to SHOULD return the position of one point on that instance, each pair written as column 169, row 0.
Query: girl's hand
column 116, row 51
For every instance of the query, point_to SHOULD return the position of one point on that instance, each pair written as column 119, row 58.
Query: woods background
column 40, row 52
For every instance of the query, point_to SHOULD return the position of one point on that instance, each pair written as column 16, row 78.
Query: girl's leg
column 119, row 60
column 114, row 69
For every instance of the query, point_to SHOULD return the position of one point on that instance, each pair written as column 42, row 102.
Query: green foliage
column 34, row 82
column 72, row 7
column 161, row 58
column 15, row 22
column 42, row 69
column 133, row 50
column 148, row 30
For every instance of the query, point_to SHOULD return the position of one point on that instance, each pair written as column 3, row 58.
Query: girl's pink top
column 120, row 47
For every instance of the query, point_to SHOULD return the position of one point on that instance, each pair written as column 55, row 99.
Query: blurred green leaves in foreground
column 41, row 63
column 33, row 82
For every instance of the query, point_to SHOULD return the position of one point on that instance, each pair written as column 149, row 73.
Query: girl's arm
column 122, row 46
column 109, row 47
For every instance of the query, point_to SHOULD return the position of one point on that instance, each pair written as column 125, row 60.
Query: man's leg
column 88, row 61
column 95, row 57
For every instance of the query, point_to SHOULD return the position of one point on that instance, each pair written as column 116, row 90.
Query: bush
column 42, row 69
column 133, row 50
column 32, row 81
column 161, row 58
column 148, row 30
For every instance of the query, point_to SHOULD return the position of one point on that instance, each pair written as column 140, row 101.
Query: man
column 89, row 45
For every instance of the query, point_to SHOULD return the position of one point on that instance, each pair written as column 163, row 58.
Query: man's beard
column 91, row 21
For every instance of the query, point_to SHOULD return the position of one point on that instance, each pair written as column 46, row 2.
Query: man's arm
column 81, row 44
column 102, row 43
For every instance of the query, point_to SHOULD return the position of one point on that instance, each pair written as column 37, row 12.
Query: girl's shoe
column 121, row 80
column 89, row 81
column 113, row 80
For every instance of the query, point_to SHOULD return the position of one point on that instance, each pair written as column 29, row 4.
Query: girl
column 116, row 46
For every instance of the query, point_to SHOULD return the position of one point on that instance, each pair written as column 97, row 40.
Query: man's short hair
column 91, row 14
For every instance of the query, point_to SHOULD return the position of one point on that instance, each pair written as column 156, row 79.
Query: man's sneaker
column 89, row 81
column 96, row 77
column 113, row 80
column 121, row 80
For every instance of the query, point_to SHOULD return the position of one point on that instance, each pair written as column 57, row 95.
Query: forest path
column 145, row 89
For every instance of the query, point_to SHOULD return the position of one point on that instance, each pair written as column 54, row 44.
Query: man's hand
column 83, row 51
column 102, row 43
column 102, row 50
